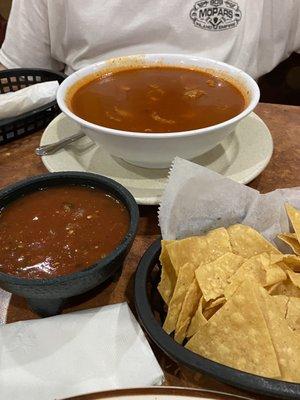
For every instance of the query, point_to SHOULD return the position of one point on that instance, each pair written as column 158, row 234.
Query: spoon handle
column 53, row 147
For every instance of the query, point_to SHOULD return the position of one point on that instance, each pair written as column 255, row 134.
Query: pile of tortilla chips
column 234, row 298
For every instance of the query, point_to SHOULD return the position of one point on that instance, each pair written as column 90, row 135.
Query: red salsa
column 60, row 230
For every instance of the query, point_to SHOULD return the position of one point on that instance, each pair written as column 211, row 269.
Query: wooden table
column 18, row 161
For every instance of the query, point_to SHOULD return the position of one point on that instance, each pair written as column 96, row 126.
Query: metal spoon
column 54, row 147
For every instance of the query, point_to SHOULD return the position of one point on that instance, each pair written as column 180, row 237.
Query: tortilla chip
column 168, row 277
column 188, row 309
column 273, row 289
column 294, row 277
column 274, row 258
column 286, row 342
column 259, row 269
column 198, row 249
column 180, row 332
column 213, row 306
column 188, row 250
column 291, row 240
column 237, row 298
column 237, row 335
column 247, row 242
column 214, row 303
column 274, row 274
column 218, row 244
column 198, row 319
column 289, row 309
column 294, row 216
column 185, row 278
column 292, row 262
column 293, row 313
column 282, row 302
column 213, row 277
column 285, row 288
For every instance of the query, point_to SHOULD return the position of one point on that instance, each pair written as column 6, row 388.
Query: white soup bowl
column 157, row 150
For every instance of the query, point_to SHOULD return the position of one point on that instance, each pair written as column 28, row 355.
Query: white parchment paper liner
column 197, row 199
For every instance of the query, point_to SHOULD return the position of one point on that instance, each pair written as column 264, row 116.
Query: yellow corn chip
column 237, row 335
column 180, row 333
column 218, row 244
column 291, row 240
column 274, row 274
column 168, row 277
column 237, row 298
column 292, row 262
column 214, row 303
column 198, row 249
column 213, row 306
column 294, row 216
column 188, row 309
column 293, row 313
column 268, row 259
column 258, row 269
column 186, row 250
column 247, row 242
column 282, row 303
column 198, row 319
column 285, row 288
column 185, row 278
column 274, row 268
column 213, row 277
column 286, row 342
column 294, row 277
column 289, row 309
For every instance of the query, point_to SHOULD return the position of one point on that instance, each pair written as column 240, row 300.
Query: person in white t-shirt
column 65, row 35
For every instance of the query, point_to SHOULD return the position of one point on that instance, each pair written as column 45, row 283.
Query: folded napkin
column 13, row 104
column 76, row 353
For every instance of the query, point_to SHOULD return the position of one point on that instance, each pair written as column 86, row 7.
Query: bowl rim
column 77, row 75
column 174, row 391
column 244, row 380
column 125, row 197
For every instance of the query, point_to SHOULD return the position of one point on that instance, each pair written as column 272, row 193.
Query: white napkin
column 76, row 353
column 197, row 199
column 13, row 104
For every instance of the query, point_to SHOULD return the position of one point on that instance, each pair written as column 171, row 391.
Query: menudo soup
column 157, row 99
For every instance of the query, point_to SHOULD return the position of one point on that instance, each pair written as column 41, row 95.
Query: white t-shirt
column 254, row 35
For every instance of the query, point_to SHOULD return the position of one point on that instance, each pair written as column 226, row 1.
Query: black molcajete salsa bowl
column 151, row 312
column 47, row 296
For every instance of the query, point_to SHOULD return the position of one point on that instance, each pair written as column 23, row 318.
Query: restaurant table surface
column 18, row 161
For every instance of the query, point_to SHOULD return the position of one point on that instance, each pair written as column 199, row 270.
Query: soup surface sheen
column 157, row 100
column 59, row 230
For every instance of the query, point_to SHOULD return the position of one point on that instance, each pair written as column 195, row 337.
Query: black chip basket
column 32, row 121
column 152, row 312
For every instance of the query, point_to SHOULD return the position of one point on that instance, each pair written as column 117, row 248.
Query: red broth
column 60, row 230
column 157, row 100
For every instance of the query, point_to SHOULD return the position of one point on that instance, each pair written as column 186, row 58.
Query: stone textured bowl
column 47, row 296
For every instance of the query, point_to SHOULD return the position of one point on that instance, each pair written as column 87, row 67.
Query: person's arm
column 27, row 39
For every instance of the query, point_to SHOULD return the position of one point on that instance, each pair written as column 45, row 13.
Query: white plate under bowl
column 241, row 157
